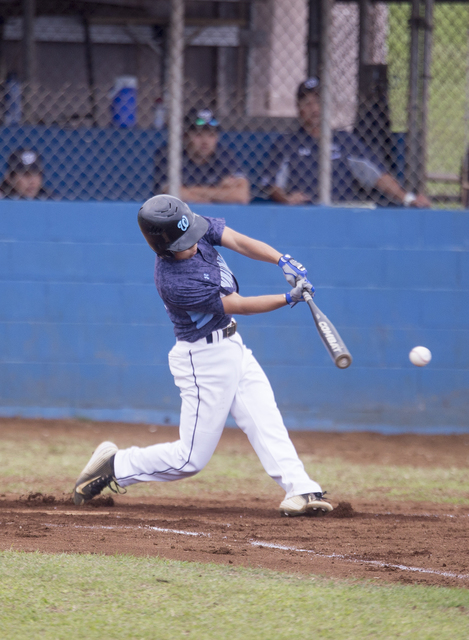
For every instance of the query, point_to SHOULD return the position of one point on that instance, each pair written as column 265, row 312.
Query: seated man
column 24, row 178
column 292, row 176
column 210, row 172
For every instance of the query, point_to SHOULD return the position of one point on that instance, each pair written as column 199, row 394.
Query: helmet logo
column 183, row 223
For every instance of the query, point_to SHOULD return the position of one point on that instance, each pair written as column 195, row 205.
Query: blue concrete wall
column 83, row 332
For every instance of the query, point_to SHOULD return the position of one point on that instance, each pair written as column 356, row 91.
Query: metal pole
column 325, row 141
column 314, row 37
column 29, row 10
column 2, row 53
column 412, row 151
column 223, row 84
column 427, row 61
column 90, row 70
column 363, row 45
column 176, row 96
column 28, row 51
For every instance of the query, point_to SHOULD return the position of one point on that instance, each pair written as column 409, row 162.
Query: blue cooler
column 124, row 101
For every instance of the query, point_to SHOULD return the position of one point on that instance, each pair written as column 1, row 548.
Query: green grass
column 52, row 467
column 112, row 598
column 121, row 597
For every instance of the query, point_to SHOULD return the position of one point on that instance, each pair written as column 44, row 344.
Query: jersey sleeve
column 215, row 230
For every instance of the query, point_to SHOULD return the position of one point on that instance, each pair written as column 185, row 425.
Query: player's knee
column 194, row 466
column 193, row 461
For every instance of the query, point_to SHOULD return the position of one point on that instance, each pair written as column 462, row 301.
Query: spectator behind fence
column 292, row 175
column 24, row 177
column 210, row 171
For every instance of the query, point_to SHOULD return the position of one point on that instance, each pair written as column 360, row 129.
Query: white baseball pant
column 215, row 379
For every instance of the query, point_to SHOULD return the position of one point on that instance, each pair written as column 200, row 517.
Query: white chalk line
column 270, row 545
column 377, row 563
column 161, row 529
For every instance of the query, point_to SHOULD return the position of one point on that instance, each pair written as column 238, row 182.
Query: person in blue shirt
column 292, row 174
column 210, row 171
column 215, row 372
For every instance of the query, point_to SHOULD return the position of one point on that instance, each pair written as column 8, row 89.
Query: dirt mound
column 39, row 497
column 343, row 510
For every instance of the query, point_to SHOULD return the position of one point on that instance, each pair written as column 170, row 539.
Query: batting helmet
column 169, row 225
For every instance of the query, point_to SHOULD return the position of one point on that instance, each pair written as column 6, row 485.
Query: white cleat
column 97, row 475
column 308, row 503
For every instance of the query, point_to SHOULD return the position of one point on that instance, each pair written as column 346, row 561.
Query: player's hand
column 296, row 294
column 421, row 202
column 297, row 197
column 292, row 270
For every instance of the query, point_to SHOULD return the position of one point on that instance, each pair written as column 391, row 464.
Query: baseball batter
column 215, row 372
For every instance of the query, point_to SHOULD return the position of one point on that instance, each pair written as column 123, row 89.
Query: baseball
column 420, row 356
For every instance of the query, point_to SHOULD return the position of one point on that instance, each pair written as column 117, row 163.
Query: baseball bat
column 329, row 335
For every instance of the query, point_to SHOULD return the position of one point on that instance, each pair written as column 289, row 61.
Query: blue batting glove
column 296, row 294
column 292, row 270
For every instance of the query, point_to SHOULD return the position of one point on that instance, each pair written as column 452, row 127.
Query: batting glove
column 296, row 294
column 292, row 270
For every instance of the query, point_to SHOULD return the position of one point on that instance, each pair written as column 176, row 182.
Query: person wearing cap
column 292, row 175
column 210, row 171
column 24, row 178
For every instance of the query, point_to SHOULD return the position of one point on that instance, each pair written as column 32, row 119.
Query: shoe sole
column 315, row 509
column 101, row 455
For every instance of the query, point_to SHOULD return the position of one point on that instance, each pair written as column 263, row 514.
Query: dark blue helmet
column 169, row 225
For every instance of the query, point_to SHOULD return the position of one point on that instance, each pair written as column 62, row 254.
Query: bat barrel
column 329, row 335
column 343, row 361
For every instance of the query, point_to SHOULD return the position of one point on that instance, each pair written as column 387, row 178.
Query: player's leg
column 256, row 413
column 207, row 376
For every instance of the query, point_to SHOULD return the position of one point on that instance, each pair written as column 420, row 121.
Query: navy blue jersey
column 192, row 289
column 221, row 164
column 294, row 165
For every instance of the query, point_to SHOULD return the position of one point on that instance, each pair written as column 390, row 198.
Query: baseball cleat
column 308, row 503
column 97, row 475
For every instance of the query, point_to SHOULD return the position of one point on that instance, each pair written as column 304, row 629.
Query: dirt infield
column 407, row 542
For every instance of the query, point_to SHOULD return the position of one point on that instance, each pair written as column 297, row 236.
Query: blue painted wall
column 83, row 332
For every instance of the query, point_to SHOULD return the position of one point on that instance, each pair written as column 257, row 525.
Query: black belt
column 228, row 331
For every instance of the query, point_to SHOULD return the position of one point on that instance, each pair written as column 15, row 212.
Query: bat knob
column 343, row 361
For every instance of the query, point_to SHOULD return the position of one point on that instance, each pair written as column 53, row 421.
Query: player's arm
column 390, row 187
column 295, row 197
column 234, row 304
column 195, row 193
column 257, row 250
column 249, row 247
column 371, row 173
column 232, row 189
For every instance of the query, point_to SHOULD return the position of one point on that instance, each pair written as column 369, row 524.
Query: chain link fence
column 272, row 110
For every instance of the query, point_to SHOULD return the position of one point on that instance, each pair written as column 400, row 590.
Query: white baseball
column 420, row 356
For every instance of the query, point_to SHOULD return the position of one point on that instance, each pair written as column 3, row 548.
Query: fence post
column 325, row 166
column 176, row 96
column 28, row 57
column 427, row 60
column 413, row 159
